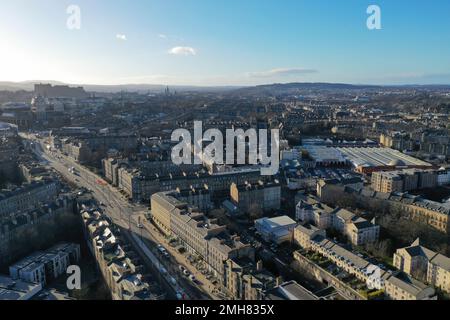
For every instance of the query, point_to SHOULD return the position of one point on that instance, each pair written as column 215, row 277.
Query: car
column 182, row 268
column 192, row 278
column 173, row 281
column 179, row 296
column 163, row 270
column 140, row 226
column 186, row 273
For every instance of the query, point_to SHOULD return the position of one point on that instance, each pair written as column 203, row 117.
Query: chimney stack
column 259, row 266
column 279, row 281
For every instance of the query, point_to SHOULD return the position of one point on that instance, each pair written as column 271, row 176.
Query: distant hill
column 153, row 88
column 306, row 87
column 293, row 88
column 267, row 89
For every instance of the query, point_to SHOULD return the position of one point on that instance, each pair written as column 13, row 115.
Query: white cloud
column 162, row 36
column 121, row 37
column 281, row 72
column 185, row 51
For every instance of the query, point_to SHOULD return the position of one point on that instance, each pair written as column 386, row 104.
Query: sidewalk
column 181, row 259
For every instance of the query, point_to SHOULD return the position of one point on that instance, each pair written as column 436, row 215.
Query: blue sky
column 225, row 42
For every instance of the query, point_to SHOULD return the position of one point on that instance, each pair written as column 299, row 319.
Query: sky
column 225, row 42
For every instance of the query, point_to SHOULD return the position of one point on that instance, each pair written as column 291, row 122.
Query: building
column 303, row 234
column 310, row 210
column 435, row 142
column 276, row 230
column 51, row 91
column 18, row 230
column 327, row 188
column 28, row 196
column 200, row 235
column 17, row 289
column 8, row 130
column 403, row 180
column 325, row 156
column 244, row 280
column 197, row 197
column 93, row 148
column 396, row 285
column 432, row 213
column 290, row 290
column 42, row 267
column 400, row 286
column 393, row 181
column 256, row 196
column 110, row 168
column 424, row 264
column 443, row 176
column 30, row 171
column 358, row 230
column 120, row 266
column 135, row 184
column 140, row 186
column 369, row 159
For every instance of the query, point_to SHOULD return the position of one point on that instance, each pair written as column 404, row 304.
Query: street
column 125, row 215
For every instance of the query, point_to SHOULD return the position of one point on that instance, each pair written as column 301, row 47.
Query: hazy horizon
column 194, row 43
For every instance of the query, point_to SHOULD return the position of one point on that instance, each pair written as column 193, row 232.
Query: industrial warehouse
column 364, row 159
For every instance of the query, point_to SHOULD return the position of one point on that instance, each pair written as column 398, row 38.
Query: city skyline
column 239, row 44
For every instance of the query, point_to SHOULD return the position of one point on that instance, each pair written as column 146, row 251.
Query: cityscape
column 277, row 185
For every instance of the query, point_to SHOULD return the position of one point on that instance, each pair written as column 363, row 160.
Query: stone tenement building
column 424, row 264
column 358, row 230
column 396, row 285
column 432, row 213
column 259, row 195
column 119, row 265
column 141, row 187
column 403, row 180
column 200, row 235
column 28, row 196
column 33, row 226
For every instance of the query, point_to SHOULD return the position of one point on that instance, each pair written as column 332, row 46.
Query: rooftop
column 17, row 289
column 290, row 291
column 379, row 157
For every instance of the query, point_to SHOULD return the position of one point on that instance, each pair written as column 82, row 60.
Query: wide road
column 122, row 213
